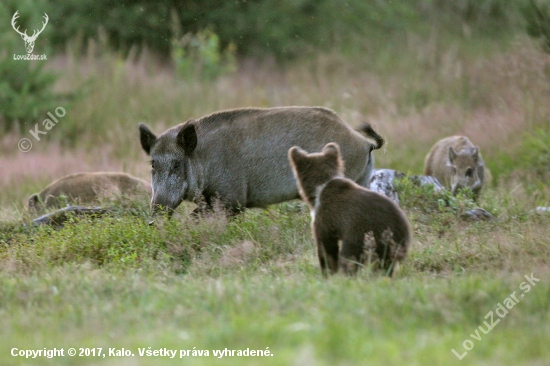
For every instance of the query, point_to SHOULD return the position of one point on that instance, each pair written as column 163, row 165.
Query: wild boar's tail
column 367, row 129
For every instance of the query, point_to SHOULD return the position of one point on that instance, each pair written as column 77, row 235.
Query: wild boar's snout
column 456, row 187
column 160, row 204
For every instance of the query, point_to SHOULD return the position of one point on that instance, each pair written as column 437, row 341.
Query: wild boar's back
column 244, row 152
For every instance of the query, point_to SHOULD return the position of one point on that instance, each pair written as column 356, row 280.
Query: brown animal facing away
column 240, row 155
column 88, row 188
column 367, row 223
column 457, row 164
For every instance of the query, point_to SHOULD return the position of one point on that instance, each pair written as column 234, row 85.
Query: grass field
column 253, row 282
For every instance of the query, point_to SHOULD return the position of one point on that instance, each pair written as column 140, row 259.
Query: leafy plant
column 200, row 56
column 537, row 16
column 26, row 93
column 26, row 88
column 433, row 207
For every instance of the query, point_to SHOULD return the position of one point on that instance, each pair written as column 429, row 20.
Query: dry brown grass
column 432, row 90
column 27, row 173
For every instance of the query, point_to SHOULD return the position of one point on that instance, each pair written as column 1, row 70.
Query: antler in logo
column 29, row 41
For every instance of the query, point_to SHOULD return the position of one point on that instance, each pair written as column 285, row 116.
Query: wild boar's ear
column 452, row 154
column 187, row 138
column 33, row 201
column 475, row 153
column 146, row 137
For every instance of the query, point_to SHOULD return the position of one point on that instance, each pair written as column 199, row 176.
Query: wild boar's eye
column 469, row 172
column 176, row 165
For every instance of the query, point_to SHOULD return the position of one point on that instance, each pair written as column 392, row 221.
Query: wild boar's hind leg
column 208, row 204
column 368, row 131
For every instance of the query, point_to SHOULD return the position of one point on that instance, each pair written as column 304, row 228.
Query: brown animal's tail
column 370, row 132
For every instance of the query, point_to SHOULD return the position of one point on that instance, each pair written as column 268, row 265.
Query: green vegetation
column 26, row 88
column 254, row 281
column 537, row 17
column 201, row 38
column 281, row 28
column 199, row 56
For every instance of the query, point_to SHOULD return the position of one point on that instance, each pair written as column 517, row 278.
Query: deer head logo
column 29, row 41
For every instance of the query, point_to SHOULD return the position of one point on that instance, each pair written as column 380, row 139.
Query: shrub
column 26, row 88
column 25, row 93
column 282, row 28
column 537, row 16
column 199, row 56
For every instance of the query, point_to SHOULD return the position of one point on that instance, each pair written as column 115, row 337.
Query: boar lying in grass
column 240, row 156
column 88, row 188
column 457, row 164
column 370, row 226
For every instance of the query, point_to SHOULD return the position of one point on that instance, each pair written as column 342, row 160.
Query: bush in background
column 199, row 56
column 284, row 29
column 26, row 89
column 537, row 16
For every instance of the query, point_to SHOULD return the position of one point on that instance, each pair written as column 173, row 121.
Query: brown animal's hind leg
column 386, row 261
column 389, row 266
column 327, row 250
column 351, row 255
column 322, row 259
column 387, row 251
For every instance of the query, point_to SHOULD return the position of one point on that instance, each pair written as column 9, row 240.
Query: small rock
column 381, row 181
column 58, row 218
column 423, row 180
column 477, row 214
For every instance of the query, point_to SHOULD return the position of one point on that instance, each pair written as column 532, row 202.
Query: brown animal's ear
column 295, row 154
column 331, row 148
column 146, row 137
column 187, row 138
column 332, row 152
column 452, row 154
column 475, row 153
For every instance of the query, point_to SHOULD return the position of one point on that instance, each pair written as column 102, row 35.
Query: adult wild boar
column 88, row 188
column 240, row 155
column 457, row 164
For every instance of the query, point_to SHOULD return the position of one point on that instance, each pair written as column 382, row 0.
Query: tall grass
column 254, row 282
column 415, row 93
